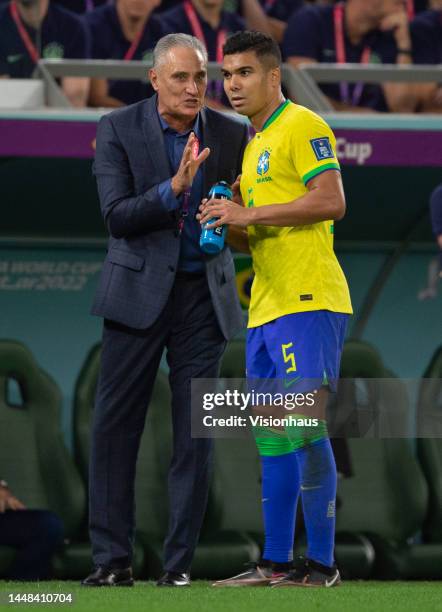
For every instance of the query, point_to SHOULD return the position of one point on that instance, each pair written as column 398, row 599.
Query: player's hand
column 188, row 166
column 8, row 501
column 237, row 197
column 226, row 212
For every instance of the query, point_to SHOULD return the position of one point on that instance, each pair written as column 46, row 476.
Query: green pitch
column 145, row 596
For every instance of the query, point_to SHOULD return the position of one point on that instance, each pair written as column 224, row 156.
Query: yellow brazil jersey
column 296, row 269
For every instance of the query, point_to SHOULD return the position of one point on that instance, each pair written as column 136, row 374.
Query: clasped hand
column 227, row 212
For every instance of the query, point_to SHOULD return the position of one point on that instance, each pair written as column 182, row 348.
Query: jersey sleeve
column 313, row 147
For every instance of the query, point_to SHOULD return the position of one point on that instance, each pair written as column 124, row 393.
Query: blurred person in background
column 357, row 31
column 436, row 220
column 126, row 30
column 207, row 21
column 435, row 265
column 279, row 12
column 426, row 29
column 36, row 534
column 34, row 29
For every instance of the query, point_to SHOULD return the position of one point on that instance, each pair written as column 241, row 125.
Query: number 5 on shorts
column 289, row 357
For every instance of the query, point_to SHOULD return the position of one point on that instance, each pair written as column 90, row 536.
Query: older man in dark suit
column 155, row 161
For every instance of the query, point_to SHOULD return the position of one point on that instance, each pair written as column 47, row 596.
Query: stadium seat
column 429, row 446
column 33, row 457
column 219, row 552
column 387, row 497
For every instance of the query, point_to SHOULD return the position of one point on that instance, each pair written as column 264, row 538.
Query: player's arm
column 238, row 239
column 324, row 201
column 255, row 17
column 400, row 97
column 76, row 89
column 99, row 95
column 277, row 28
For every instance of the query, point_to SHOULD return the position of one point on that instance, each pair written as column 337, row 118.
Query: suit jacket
column 144, row 244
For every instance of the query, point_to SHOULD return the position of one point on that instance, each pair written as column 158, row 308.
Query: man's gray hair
column 168, row 42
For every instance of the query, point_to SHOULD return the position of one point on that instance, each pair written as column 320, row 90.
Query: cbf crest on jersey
column 263, row 162
column 322, row 148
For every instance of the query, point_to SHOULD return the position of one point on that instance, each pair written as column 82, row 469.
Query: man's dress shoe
column 173, row 579
column 106, row 576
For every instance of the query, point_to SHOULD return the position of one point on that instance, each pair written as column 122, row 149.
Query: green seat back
column 33, row 457
column 386, row 475
column 429, row 417
column 84, row 398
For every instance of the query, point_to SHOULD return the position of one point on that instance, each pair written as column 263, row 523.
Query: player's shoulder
column 304, row 118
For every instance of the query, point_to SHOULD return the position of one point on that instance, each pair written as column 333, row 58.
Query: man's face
column 180, row 81
column 138, row 9
column 248, row 84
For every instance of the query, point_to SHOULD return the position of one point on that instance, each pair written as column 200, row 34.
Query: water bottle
column 212, row 240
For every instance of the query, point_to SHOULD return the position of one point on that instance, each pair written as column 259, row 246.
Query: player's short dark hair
column 265, row 47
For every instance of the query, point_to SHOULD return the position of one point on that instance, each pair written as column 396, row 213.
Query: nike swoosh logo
column 288, row 382
column 329, row 583
column 11, row 59
column 310, row 488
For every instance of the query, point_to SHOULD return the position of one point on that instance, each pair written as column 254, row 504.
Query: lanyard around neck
column 26, row 39
column 341, row 56
column 134, row 46
column 198, row 31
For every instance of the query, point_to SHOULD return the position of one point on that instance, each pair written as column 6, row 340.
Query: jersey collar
column 275, row 114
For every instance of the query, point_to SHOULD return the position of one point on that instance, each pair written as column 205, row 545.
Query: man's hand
column 226, row 211
column 188, row 166
column 8, row 501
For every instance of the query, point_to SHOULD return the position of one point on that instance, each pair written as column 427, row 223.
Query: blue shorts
column 303, row 349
